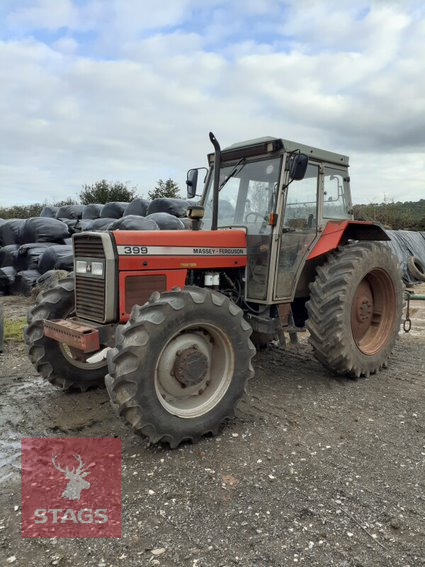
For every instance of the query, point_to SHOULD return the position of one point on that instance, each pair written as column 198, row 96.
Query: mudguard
column 336, row 231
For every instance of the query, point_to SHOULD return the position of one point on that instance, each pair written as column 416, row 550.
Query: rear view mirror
column 191, row 182
column 298, row 166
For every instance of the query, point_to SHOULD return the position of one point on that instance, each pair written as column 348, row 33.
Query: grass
column 14, row 329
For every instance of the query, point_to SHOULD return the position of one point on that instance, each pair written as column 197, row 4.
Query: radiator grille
column 90, row 298
column 89, row 291
column 88, row 246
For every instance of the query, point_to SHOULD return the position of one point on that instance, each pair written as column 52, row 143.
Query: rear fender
column 338, row 232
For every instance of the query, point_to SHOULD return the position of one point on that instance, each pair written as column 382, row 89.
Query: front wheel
column 62, row 366
column 180, row 365
column 355, row 309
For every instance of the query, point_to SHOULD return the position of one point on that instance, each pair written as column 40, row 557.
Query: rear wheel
column 355, row 308
column 180, row 365
column 64, row 367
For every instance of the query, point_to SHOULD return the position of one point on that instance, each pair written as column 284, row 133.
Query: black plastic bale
column 165, row 221
column 43, row 229
column 187, row 223
column 92, row 211
column 102, row 224
column 52, row 255
column 133, row 222
column 84, row 225
column 404, row 244
column 137, row 207
column 113, row 210
column 28, row 255
column 65, row 263
column 176, row 207
column 24, row 282
column 72, row 225
column 8, row 255
column 70, row 212
column 7, row 278
column 11, row 231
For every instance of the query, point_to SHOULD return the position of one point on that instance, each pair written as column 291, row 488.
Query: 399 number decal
column 135, row 250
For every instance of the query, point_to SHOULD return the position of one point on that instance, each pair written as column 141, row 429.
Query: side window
column 301, row 201
column 335, row 202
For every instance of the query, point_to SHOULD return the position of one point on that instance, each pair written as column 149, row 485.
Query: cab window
column 335, row 201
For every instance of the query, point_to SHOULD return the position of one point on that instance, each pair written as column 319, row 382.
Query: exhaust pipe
column 217, row 163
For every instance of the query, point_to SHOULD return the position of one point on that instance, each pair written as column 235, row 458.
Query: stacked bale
column 31, row 248
column 92, row 211
column 24, row 243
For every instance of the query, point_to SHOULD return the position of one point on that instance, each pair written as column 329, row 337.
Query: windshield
column 247, row 194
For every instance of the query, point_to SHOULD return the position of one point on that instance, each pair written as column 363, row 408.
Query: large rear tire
column 180, row 365
column 355, row 309
column 61, row 366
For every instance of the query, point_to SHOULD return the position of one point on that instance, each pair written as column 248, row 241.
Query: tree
column 106, row 191
column 32, row 210
column 165, row 189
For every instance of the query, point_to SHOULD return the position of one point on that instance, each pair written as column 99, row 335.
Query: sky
column 127, row 90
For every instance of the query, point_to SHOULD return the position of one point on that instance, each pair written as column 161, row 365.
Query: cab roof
column 290, row 146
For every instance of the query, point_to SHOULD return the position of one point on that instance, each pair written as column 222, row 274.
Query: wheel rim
column 373, row 312
column 194, row 370
column 77, row 357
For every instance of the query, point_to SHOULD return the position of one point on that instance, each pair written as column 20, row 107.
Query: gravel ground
column 316, row 470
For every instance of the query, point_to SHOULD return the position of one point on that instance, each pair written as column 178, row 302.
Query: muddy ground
column 316, row 470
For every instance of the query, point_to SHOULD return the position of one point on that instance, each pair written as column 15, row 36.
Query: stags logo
column 58, row 500
column 76, row 482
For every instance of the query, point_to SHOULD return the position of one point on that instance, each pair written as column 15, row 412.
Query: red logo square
column 71, row 487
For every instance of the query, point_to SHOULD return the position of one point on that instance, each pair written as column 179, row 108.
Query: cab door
column 298, row 230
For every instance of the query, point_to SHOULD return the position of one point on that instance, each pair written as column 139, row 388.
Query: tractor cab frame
column 285, row 195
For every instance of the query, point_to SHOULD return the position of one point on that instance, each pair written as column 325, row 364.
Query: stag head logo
column 76, row 480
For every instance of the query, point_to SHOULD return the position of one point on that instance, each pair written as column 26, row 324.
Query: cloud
column 129, row 90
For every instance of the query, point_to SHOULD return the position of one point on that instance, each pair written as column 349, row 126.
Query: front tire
column 180, row 365
column 355, row 309
column 55, row 362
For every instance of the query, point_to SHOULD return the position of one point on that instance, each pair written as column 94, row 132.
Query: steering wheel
column 256, row 215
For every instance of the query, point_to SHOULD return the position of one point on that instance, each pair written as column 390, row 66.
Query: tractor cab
column 283, row 193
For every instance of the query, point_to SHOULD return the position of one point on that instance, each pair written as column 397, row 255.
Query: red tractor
column 166, row 318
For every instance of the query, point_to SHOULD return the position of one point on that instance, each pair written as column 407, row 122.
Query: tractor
column 170, row 320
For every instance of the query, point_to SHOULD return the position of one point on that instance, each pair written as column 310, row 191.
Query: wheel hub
column 373, row 311
column 190, row 366
column 194, row 370
column 364, row 308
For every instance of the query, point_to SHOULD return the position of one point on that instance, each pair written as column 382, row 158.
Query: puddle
column 10, row 456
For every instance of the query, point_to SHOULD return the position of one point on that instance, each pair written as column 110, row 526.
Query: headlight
column 81, row 266
column 97, row 268
column 89, row 268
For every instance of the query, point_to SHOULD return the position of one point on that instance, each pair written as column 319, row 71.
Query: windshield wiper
column 234, row 171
